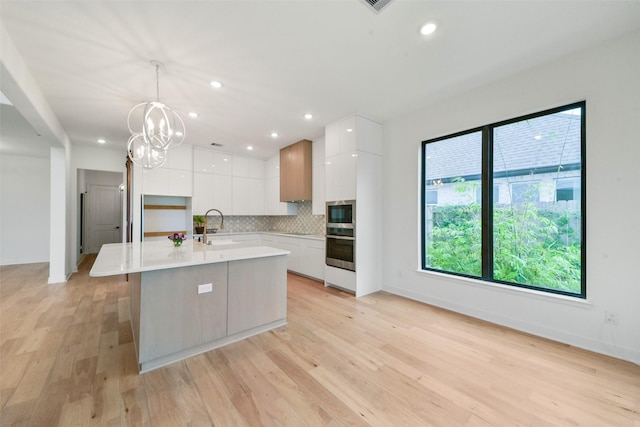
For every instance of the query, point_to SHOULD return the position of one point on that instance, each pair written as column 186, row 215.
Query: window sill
column 497, row 287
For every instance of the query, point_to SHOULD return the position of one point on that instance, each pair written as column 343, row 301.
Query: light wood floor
column 67, row 358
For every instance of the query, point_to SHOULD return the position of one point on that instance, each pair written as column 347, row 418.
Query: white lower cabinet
column 340, row 278
column 314, row 258
column 307, row 255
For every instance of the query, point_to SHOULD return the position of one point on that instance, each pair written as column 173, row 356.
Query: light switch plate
column 207, row 287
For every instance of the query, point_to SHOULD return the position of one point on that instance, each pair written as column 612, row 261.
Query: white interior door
column 104, row 216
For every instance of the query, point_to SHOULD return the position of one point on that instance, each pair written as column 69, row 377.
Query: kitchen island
column 194, row 298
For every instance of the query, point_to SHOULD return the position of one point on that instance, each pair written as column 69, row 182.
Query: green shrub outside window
column 510, row 205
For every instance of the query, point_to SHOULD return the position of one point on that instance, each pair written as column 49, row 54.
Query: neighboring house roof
column 529, row 145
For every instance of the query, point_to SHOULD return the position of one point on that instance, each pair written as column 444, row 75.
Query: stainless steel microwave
column 341, row 234
column 341, row 214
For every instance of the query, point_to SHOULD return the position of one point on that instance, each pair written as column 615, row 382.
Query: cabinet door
column 332, row 179
column 221, row 189
column 294, row 259
column 203, row 160
column 296, row 172
column 180, row 182
column 202, row 193
column 272, row 203
column 257, row 293
column 165, row 326
column 222, row 164
column 256, row 168
column 332, row 140
column 340, row 177
column 248, row 196
column 181, row 158
column 318, row 205
column 348, row 134
column 240, row 166
column 272, row 167
column 348, row 165
column 256, row 205
column 155, row 181
column 313, row 258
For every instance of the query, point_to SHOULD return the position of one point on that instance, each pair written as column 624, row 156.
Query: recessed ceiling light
column 274, row 134
column 216, row 84
column 193, row 115
column 308, row 116
column 178, row 133
column 428, row 28
column 249, row 147
column 102, row 141
column 349, row 130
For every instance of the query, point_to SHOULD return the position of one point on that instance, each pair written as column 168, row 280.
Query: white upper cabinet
column 332, row 139
column 155, row 181
column 272, row 203
column 247, row 196
column 211, row 191
column 209, row 161
column 247, row 186
column 347, row 135
column 180, row 182
column 247, row 167
column 174, row 178
column 318, row 205
column 180, row 157
column 345, row 140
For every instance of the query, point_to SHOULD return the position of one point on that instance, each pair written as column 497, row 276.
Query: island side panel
column 174, row 317
column 134, row 308
column 257, row 292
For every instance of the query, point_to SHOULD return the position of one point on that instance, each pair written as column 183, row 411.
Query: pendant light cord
column 157, row 83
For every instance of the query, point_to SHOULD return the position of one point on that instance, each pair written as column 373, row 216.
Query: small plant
column 198, row 224
column 198, row 220
column 177, row 238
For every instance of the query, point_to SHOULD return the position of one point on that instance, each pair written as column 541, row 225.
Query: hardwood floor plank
column 32, row 381
column 67, row 357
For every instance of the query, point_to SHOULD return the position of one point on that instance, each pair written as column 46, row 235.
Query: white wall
column 24, row 209
column 607, row 78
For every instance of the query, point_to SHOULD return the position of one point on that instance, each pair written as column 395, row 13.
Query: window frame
column 487, row 185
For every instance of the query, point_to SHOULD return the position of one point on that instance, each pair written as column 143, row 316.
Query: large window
column 510, row 202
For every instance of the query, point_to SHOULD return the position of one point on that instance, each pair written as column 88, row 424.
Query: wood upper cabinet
column 295, row 172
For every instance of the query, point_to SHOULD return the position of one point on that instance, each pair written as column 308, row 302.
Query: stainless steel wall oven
column 341, row 234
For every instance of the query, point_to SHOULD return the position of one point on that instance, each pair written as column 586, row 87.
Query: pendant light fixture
column 155, row 128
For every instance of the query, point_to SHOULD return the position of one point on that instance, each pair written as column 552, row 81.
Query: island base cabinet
column 171, row 321
column 174, row 316
column 257, row 293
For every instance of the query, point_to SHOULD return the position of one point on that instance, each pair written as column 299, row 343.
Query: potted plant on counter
column 198, row 224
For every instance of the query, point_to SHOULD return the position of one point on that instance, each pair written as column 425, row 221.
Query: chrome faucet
column 204, row 233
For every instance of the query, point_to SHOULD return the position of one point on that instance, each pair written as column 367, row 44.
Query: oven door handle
column 330, row 236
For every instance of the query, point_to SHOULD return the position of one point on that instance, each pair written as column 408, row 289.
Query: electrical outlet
column 207, row 287
column 611, row 318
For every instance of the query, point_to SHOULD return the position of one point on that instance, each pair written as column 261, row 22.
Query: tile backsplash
column 303, row 223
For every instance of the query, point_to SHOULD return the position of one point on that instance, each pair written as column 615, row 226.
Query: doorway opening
column 100, row 210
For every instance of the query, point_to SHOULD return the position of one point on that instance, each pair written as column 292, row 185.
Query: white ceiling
column 281, row 59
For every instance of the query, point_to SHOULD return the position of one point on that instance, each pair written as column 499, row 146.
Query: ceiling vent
column 376, row 5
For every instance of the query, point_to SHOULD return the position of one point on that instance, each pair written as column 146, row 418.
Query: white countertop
column 123, row 258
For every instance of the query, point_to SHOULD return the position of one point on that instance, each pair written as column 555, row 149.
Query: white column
column 58, row 214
